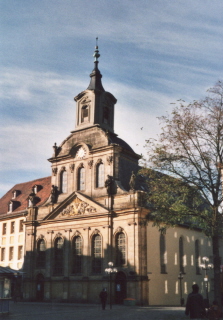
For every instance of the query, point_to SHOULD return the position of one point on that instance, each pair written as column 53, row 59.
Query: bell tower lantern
column 95, row 106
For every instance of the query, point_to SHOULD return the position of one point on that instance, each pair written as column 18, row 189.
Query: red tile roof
column 24, row 191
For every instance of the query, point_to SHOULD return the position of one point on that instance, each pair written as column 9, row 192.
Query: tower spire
column 95, row 83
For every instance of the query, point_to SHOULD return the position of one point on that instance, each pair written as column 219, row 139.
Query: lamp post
column 180, row 277
column 206, row 266
column 110, row 270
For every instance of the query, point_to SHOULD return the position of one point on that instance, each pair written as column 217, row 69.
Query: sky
column 153, row 53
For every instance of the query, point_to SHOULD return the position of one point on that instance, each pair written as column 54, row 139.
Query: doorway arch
column 120, row 287
column 39, row 287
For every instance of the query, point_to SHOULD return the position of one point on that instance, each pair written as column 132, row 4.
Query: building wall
column 12, row 243
column 164, row 288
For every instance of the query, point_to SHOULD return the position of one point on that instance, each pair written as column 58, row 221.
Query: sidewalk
column 69, row 311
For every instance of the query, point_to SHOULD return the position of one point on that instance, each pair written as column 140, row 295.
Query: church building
column 91, row 213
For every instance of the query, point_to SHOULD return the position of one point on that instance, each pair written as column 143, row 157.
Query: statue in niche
column 53, row 194
column 132, row 181
column 110, row 185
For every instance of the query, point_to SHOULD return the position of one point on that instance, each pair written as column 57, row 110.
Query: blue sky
column 153, row 53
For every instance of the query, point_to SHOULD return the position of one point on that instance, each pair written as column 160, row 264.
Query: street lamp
column 180, row 277
column 110, row 270
column 206, row 266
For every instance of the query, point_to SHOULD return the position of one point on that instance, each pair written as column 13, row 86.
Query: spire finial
column 96, row 54
column 96, row 76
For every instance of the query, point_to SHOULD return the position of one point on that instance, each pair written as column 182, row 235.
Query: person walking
column 103, row 296
column 195, row 304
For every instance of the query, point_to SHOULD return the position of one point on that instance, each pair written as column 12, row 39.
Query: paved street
column 57, row 311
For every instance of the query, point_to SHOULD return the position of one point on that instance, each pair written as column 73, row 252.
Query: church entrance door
column 120, row 287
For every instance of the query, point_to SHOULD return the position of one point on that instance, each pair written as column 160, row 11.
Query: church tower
column 95, row 106
column 93, row 152
column 94, row 213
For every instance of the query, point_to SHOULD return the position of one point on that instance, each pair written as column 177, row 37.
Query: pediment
column 76, row 205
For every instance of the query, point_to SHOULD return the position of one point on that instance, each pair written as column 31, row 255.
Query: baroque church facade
column 92, row 211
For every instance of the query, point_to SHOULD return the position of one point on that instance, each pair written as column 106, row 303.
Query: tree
column 184, row 170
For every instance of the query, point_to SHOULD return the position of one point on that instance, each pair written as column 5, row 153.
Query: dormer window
column 37, row 188
column 30, row 203
column 15, row 193
column 85, row 113
column 10, row 206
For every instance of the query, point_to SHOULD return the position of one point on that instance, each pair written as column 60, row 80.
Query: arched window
column 77, row 255
column 120, row 249
column 106, row 115
column 41, row 254
column 197, row 257
column 81, row 178
column 96, row 254
column 100, row 177
column 163, row 257
column 58, row 257
column 181, row 254
column 63, row 181
column 84, row 113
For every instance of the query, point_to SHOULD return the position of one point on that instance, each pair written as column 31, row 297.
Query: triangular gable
column 75, row 205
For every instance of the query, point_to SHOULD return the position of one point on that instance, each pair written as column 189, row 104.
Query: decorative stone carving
column 99, row 161
column 58, row 235
column 85, row 100
column 96, row 231
column 72, row 166
column 78, row 207
column 109, row 159
column 119, row 229
column 63, row 168
column 132, row 181
column 77, row 234
column 54, row 171
column 54, row 194
column 110, row 185
column 90, row 163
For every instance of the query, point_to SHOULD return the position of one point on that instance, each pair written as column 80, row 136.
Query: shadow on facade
column 63, row 274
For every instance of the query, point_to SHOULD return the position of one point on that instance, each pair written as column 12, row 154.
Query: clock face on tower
column 81, row 153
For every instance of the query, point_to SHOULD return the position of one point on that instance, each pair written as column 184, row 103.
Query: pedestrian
column 103, row 296
column 195, row 304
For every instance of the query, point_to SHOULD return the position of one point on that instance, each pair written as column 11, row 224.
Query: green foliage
column 183, row 168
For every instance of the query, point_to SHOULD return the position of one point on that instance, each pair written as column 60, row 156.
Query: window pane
column 81, row 179
column 120, row 249
column 20, row 252
column 64, row 182
column 41, row 254
column 4, row 226
column 197, row 257
column 77, row 255
column 2, row 254
column 58, row 257
column 96, row 252
column 181, row 254
column 100, row 176
column 162, row 254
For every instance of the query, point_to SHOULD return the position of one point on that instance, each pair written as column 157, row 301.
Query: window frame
column 120, row 249
column 77, row 254
column 100, row 175
column 58, row 256
column 81, row 175
column 96, row 254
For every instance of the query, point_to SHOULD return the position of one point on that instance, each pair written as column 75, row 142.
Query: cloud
column 152, row 53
